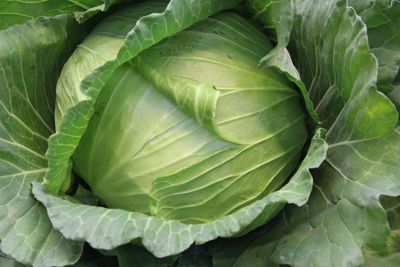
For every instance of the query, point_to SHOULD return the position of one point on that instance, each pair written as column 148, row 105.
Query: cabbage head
column 190, row 129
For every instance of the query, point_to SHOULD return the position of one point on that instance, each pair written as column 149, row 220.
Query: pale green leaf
column 31, row 56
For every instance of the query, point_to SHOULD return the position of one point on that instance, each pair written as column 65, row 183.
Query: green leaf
column 256, row 247
column 168, row 237
column 344, row 94
column 18, row 12
column 6, row 261
column 31, row 56
column 93, row 258
column 278, row 15
column 382, row 18
column 392, row 208
column 344, row 212
column 196, row 256
column 392, row 257
column 394, row 95
column 376, row 260
column 134, row 256
column 343, row 223
column 343, row 217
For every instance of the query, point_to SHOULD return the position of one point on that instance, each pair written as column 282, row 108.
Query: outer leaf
column 133, row 256
column 255, row 247
column 342, row 224
column 388, row 261
column 342, row 92
column 93, row 258
column 197, row 256
column 394, row 95
column 392, row 207
column 168, row 237
column 382, row 18
column 31, row 56
column 278, row 15
column 5, row 261
column 343, row 214
column 17, row 12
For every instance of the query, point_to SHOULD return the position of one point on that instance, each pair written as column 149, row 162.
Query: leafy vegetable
column 163, row 154
column 175, row 133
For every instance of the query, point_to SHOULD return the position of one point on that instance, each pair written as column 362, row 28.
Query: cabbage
column 190, row 129
column 199, row 133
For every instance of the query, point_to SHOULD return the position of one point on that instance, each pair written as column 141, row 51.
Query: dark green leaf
column 18, row 12
column 383, row 20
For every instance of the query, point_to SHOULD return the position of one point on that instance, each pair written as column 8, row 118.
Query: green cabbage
column 190, row 129
column 194, row 121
